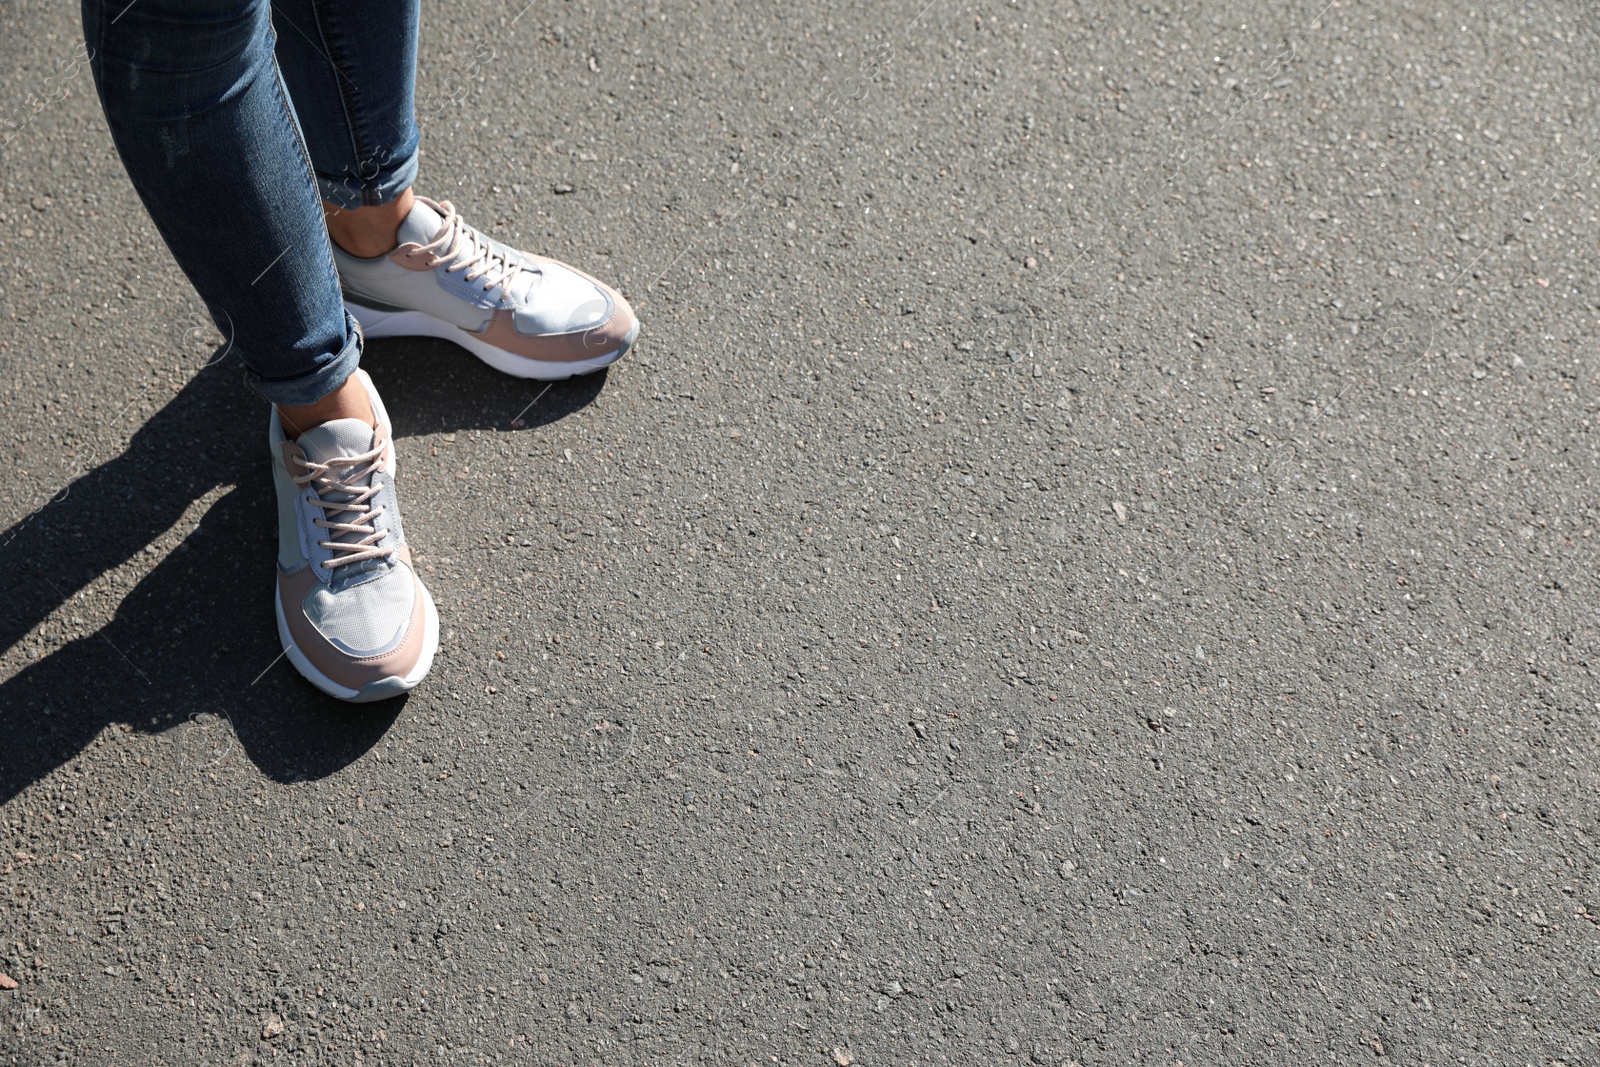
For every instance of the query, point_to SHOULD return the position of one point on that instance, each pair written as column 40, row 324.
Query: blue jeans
column 232, row 133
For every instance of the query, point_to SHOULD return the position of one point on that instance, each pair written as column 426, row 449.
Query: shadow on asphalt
column 195, row 636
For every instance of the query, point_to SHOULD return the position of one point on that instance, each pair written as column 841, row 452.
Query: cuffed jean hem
column 352, row 192
column 309, row 388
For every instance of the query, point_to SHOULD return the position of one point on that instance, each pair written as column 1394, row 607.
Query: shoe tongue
column 337, row 439
column 421, row 226
column 333, row 440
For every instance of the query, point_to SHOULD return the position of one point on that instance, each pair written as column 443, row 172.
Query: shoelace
column 468, row 250
column 320, row 477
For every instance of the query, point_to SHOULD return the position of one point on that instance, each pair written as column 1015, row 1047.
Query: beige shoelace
column 320, row 477
column 467, row 249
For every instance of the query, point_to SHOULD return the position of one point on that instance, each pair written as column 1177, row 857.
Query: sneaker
column 353, row 616
column 525, row 315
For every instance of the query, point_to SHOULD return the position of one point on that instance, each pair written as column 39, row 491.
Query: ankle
column 367, row 232
column 348, row 401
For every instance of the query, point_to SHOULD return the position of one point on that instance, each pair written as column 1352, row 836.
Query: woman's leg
column 410, row 265
column 206, row 129
column 208, row 136
column 351, row 68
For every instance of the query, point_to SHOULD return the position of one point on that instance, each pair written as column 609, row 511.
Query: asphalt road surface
column 1091, row 561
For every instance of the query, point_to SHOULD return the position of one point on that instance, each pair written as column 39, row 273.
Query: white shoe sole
column 380, row 689
column 376, row 324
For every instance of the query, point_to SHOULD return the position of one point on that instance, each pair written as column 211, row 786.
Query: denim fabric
column 205, row 126
column 351, row 67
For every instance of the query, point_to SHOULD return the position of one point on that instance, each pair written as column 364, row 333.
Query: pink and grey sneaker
column 353, row 616
column 525, row 315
